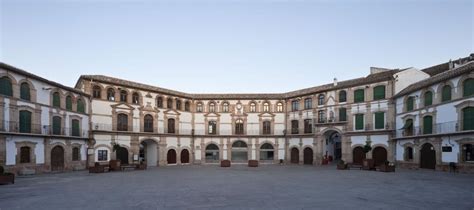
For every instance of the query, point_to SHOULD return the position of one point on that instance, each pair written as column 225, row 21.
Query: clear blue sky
column 231, row 46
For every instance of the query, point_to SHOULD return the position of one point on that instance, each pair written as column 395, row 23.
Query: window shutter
column 359, row 118
column 75, row 128
column 468, row 87
column 6, row 86
column 56, row 100
column 25, row 91
column 428, row 98
column 468, row 118
column 379, row 120
column 446, row 95
column 427, row 125
column 25, row 122
column 379, row 92
column 359, row 96
column 69, row 103
column 409, row 103
column 56, row 125
column 342, row 114
column 80, row 106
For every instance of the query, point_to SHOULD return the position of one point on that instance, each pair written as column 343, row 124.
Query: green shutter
column 359, row 118
column 446, row 96
column 379, row 120
column 359, row 96
column 468, row 118
column 80, row 106
column 56, row 100
column 69, row 103
column 25, row 122
column 6, row 86
column 409, row 103
column 468, row 87
column 428, row 98
column 379, row 92
column 427, row 125
column 75, row 128
column 56, row 125
column 342, row 96
column 342, row 114
column 25, row 91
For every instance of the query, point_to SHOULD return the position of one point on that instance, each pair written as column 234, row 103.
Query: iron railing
column 32, row 128
column 439, row 128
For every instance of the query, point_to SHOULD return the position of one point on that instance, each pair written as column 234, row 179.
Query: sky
column 231, row 46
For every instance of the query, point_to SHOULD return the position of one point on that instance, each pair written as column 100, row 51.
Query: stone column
column 162, row 153
column 315, row 151
column 301, row 156
column 319, row 149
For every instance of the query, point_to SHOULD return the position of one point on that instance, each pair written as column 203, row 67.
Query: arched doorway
column 122, row 155
column 184, row 156
column 212, row 153
column 295, row 155
column 379, row 154
column 266, row 152
column 57, row 158
column 427, row 156
column 358, row 155
column 171, row 156
column 239, row 151
column 332, row 145
column 308, row 156
column 149, row 152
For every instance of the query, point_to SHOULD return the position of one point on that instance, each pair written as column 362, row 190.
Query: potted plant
column 225, row 163
column 387, row 167
column 114, row 163
column 6, row 178
column 341, row 165
column 367, row 164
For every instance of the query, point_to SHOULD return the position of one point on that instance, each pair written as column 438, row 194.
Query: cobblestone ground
column 240, row 187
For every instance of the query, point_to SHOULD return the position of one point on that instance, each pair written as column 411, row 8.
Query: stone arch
column 379, row 154
column 439, row 91
column 460, row 86
column 294, row 152
column 15, row 84
column 427, row 155
column 267, row 153
column 189, row 155
column 239, row 153
column 171, row 155
column 57, row 156
column 212, row 157
column 32, row 88
column 422, row 96
column 308, row 155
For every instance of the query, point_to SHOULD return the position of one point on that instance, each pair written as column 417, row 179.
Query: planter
column 7, row 178
column 387, row 168
column 114, row 165
column 97, row 168
column 253, row 163
column 368, row 164
column 141, row 167
column 225, row 163
column 342, row 166
column 325, row 161
column 330, row 158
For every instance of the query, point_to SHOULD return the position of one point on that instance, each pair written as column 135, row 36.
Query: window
column 468, row 87
column 169, row 103
column 225, row 107
column 212, row 127
column 212, row 152
column 409, row 103
column 446, row 93
column 468, row 118
column 25, row 121
column 159, row 102
column 6, row 86
column 57, row 125
column 102, row 155
column 308, row 103
column 342, row 114
column 239, row 126
column 75, row 154
column 96, row 91
column 321, row 99
column 75, row 128
column 25, row 154
column 111, row 94
column 308, row 127
column 294, row 127
column 295, row 105
column 321, row 116
column 69, row 103
column 266, row 107
column 379, row 120
column 212, row 107
column 342, row 96
column 359, row 121
column 408, row 127
column 359, row 96
column 171, row 125
column 56, row 99
column 148, row 123
column 253, row 107
column 267, row 130
column 408, row 153
column 428, row 98
column 122, row 122
column 468, row 152
column 266, row 152
column 379, row 92
column 135, row 98
column 25, row 91
column 199, row 107
column 80, row 106
column 279, row 107
column 178, row 104
column 123, row 96
column 427, row 125
column 187, row 106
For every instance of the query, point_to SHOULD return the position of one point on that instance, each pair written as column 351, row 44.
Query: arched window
column 253, row 107
column 76, row 129
column 239, row 126
column 408, row 128
column 225, row 107
column 468, row 87
column 199, row 107
column 57, row 121
column 111, row 94
column 80, row 106
column 75, row 154
column 159, row 102
column 25, row 154
column 178, row 104
column 212, row 127
column 171, row 125
column 321, row 99
column 169, row 103
column 148, row 123
column 446, row 93
column 342, row 96
column 122, row 122
column 135, row 98
column 25, row 121
column 428, row 98
column 212, row 107
column 308, row 103
column 239, row 151
column 279, row 107
column 266, row 107
column 294, row 127
column 468, row 118
column 427, row 125
column 267, row 127
column 187, row 106
column 56, row 99
column 408, row 154
column 266, row 152
column 123, row 96
column 359, row 96
column 6, row 86
column 25, row 91
column 379, row 92
column 410, row 103
column 212, row 153
column 96, row 91
column 68, row 103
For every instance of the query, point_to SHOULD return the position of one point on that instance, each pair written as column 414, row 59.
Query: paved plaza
column 240, row 187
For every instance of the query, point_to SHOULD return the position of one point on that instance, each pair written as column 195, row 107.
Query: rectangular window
column 308, row 127
column 294, row 127
column 379, row 120
column 75, row 128
column 427, row 125
column 212, row 127
column 410, row 103
column 102, row 155
column 267, row 127
column 308, row 103
column 342, row 115
column 379, row 92
column 321, row 116
column 359, row 96
column 359, row 121
column 295, row 105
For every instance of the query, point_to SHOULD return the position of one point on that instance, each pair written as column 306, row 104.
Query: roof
column 30, row 75
column 465, row 68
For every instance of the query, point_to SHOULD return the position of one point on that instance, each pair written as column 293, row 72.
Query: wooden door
column 379, row 154
column 171, row 156
column 295, row 156
column 358, row 156
column 184, row 156
column 428, row 157
column 57, row 158
column 308, row 156
column 122, row 155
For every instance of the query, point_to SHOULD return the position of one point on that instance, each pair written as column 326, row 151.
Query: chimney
column 335, row 81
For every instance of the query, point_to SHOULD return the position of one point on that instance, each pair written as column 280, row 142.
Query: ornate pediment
column 122, row 106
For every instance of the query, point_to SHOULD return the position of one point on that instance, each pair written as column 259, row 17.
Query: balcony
column 329, row 120
column 16, row 127
column 440, row 128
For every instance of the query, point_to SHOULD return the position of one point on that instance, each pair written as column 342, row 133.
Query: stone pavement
column 240, row 187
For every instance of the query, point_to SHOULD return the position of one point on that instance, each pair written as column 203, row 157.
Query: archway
column 239, row 151
column 122, row 155
column 184, row 156
column 358, row 155
column 379, row 154
column 212, row 153
column 171, row 156
column 332, row 145
column 427, row 156
column 308, row 156
column 295, row 155
column 266, row 152
column 149, row 152
column 57, row 158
